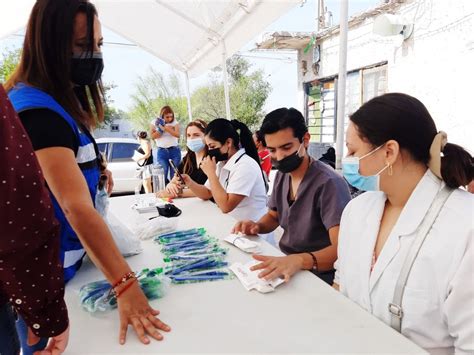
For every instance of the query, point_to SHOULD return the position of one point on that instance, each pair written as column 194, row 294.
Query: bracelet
column 315, row 262
column 129, row 275
column 126, row 287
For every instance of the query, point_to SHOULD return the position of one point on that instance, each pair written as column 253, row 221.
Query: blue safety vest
column 26, row 98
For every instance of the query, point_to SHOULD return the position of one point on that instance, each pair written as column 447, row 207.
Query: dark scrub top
column 320, row 200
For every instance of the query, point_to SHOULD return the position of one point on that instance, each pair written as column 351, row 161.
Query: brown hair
column 165, row 110
column 405, row 119
column 187, row 160
column 46, row 58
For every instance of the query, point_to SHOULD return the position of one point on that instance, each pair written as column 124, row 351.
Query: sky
column 125, row 62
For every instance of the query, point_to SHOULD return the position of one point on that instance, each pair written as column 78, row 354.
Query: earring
column 390, row 169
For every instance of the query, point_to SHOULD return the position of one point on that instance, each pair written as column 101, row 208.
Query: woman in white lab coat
column 394, row 150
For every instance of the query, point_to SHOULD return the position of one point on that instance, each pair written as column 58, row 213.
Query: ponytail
column 457, row 166
column 222, row 129
column 246, row 140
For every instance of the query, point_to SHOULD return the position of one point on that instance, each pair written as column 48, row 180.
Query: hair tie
column 437, row 146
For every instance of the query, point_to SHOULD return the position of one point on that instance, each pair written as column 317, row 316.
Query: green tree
column 248, row 93
column 8, row 62
column 154, row 91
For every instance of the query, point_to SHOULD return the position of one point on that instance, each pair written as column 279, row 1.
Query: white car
column 119, row 152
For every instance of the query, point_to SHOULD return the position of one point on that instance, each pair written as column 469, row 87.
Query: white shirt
column 438, row 302
column 166, row 140
column 242, row 175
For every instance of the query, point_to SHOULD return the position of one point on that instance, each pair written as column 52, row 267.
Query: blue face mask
column 350, row 170
column 196, row 144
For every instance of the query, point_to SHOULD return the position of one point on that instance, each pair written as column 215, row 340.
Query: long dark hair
column 46, row 58
column 221, row 129
column 406, row 120
column 188, row 166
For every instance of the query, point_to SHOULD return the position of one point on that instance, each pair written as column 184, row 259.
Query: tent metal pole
column 226, row 81
column 188, row 97
column 341, row 82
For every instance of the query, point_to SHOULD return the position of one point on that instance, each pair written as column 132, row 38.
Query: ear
column 306, row 139
column 392, row 151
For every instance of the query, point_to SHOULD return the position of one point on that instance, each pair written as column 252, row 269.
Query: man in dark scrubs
column 307, row 201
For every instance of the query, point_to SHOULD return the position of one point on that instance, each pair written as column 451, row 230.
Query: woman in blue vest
column 57, row 92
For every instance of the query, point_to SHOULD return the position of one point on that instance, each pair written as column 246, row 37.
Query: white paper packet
column 243, row 243
column 250, row 279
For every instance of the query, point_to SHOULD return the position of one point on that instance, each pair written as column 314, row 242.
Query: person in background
column 263, row 153
column 232, row 167
column 57, row 92
column 165, row 131
column 307, row 201
column 146, row 162
column 191, row 163
column 329, row 157
column 397, row 155
column 29, row 245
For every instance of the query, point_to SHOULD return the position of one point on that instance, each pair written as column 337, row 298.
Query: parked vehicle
column 119, row 152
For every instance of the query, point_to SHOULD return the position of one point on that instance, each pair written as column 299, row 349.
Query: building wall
column 125, row 130
column 435, row 64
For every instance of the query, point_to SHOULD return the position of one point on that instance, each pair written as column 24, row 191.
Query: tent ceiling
column 188, row 35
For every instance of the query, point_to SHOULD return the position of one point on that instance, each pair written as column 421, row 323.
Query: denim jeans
column 22, row 330
column 9, row 343
column 163, row 154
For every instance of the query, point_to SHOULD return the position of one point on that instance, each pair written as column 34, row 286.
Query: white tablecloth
column 305, row 315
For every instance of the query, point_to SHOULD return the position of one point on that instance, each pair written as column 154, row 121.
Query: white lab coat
column 438, row 302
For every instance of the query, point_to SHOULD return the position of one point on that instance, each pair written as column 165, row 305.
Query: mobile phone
column 176, row 170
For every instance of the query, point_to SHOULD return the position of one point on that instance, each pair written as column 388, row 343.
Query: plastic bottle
column 158, row 178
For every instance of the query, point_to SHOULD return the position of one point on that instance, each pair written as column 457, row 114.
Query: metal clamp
column 395, row 309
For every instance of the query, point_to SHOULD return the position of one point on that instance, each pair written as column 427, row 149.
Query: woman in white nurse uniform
column 405, row 250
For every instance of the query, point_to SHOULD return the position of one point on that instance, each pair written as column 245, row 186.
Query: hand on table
column 134, row 309
column 246, row 227
column 173, row 190
column 278, row 266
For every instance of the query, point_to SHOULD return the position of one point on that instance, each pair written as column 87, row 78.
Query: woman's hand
column 173, row 190
column 187, row 180
column 56, row 345
column 134, row 309
column 208, row 165
column 278, row 266
column 176, row 180
column 110, row 180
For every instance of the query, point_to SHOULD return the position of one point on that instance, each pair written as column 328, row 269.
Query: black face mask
column 86, row 70
column 216, row 153
column 289, row 163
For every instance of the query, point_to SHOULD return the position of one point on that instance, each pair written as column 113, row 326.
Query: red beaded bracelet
column 124, row 278
column 126, row 287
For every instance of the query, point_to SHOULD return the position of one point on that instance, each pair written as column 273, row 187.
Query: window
column 104, row 149
column 321, row 102
column 114, row 127
column 123, row 151
column 321, row 99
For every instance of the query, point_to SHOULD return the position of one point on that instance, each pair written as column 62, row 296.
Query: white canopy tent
column 192, row 36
